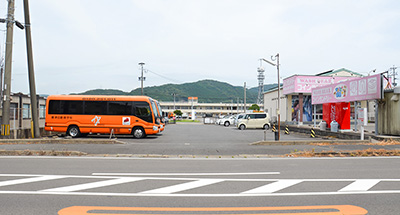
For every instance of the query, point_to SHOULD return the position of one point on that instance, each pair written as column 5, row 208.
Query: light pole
column 273, row 58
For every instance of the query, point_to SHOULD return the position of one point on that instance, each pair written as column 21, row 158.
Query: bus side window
column 142, row 111
column 120, row 108
column 95, row 107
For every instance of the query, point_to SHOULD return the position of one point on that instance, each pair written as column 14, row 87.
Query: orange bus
column 79, row 115
column 160, row 113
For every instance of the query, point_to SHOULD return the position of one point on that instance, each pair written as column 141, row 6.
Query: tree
column 254, row 107
column 178, row 112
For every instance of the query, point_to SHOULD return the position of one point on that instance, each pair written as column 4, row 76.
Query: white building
column 271, row 104
column 288, row 100
column 201, row 109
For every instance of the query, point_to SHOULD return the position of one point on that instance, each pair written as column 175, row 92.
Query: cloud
column 82, row 45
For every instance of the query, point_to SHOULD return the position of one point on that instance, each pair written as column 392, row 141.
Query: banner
column 360, row 89
column 304, row 84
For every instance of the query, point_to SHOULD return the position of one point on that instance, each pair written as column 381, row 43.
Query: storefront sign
column 366, row 88
column 304, row 84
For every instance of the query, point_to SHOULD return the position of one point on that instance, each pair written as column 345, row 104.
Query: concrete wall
column 271, row 104
column 389, row 115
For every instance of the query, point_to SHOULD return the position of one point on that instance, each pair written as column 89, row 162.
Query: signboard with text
column 366, row 88
column 304, row 84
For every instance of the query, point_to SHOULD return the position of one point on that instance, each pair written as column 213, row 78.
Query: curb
column 59, row 141
column 347, row 135
column 310, row 142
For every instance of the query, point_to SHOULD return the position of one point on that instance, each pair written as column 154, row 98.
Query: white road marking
column 92, row 185
column 360, row 185
column 273, row 187
column 186, row 174
column 182, row 187
column 29, row 180
column 200, row 195
column 355, row 186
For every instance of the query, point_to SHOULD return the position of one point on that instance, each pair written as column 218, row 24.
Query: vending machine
column 328, row 113
column 343, row 115
column 340, row 112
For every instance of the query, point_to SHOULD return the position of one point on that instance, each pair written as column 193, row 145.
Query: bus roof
column 98, row 97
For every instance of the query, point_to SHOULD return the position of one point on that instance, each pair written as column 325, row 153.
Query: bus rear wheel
column 138, row 133
column 73, row 131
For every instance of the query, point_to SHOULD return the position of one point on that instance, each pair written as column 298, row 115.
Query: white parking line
column 182, row 187
column 273, row 187
column 360, row 185
column 92, row 185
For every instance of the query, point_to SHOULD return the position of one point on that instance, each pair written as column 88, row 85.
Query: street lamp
column 276, row 58
column 372, row 71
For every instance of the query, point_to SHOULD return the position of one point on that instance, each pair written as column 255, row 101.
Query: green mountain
column 209, row 91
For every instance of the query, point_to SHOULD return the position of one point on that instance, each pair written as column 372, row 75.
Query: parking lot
column 190, row 139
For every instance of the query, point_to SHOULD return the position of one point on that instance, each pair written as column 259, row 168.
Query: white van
column 254, row 120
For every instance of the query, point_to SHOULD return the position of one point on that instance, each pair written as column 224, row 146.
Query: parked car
column 227, row 121
column 238, row 118
column 255, row 120
column 219, row 119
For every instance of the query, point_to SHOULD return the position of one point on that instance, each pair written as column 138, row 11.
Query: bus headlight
column 155, row 128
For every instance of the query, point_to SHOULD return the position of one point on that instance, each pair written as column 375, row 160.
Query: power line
column 169, row 79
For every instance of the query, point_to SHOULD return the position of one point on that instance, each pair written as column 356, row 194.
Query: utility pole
column 174, row 94
column 5, row 127
column 245, row 97
column 279, row 98
column 141, row 78
column 237, row 107
column 31, row 71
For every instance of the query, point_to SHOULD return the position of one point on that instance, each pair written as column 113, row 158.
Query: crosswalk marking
column 360, row 185
column 184, row 186
column 92, row 185
column 273, row 187
column 29, row 180
column 190, row 186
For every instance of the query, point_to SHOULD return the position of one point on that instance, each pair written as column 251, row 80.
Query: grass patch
column 355, row 153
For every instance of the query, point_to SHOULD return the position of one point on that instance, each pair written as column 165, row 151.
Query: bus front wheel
column 138, row 133
column 73, row 131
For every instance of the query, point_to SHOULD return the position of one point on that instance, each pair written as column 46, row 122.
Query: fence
column 21, row 123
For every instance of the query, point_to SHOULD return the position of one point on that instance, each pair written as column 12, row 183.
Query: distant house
column 21, row 115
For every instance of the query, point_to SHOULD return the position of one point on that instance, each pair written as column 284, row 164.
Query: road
column 73, row 185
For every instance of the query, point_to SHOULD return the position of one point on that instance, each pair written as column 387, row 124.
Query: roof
column 332, row 72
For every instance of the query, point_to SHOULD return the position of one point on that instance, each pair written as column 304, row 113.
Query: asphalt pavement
column 190, row 140
column 67, row 185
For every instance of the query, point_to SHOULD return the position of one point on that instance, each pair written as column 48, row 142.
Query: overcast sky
column 89, row 44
